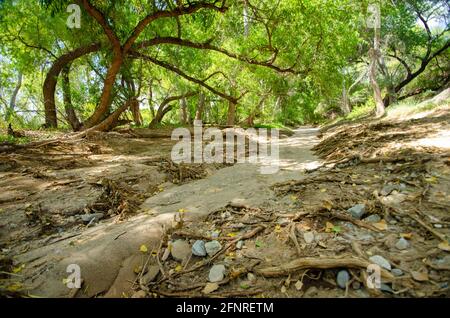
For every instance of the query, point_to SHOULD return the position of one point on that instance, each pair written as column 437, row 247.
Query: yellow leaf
column 328, row 205
column 407, row 236
column 14, row 287
column 329, row 227
column 232, row 234
column 181, row 210
column 179, row 268
column 444, row 246
column 277, row 228
column 143, row 248
column 18, row 269
column 323, row 190
column 293, row 198
column 382, row 225
column 431, row 180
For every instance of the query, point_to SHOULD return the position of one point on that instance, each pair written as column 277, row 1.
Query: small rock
column 402, row 244
column 239, row 244
column 356, row 285
column 251, row 277
column 150, row 276
column 381, row 261
column 89, row 217
column 438, row 226
column 311, row 292
column 180, row 250
column 386, row 288
column 213, row 247
column 215, row 234
column 238, row 203
column 387, row 189
column 283, row 221
column 139, row 294
column 308, row 237
column 216, row 273
column 357, row 211
column 198, row 248
column 397, row 272
column 342, row 279
column 374, row 218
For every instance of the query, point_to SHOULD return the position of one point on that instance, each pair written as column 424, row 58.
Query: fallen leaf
column 210, row 287
column 232, row 234
column 18, row 269
column 444, row 246
column 419, row 276
column 143, row 248
column 382, row 225
column 259, row 244
column 283, row 289
column 431, row 180
column 298, row 285
column 328, row 205
column 323, row 190
column 329, row 227
column 293, row 198
column 244, row 286
column 179, row 268
column 407, row 236
column 277, row 228
column 181, row 210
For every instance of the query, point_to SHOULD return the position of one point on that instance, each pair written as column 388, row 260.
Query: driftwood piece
column 320, row 263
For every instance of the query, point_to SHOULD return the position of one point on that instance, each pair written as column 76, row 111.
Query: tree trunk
column 110, row 122
column 375, row 53
column 200, row 107
column 246, row 19
column 51, row 79
column 345, row 101
column 137, row 117
column 68, row 107
column 162, row 111
column 183, row 111
column 13, row 100
column 231, row 117
column 105, row 98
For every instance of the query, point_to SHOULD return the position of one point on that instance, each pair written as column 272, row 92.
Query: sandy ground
column 106, row 251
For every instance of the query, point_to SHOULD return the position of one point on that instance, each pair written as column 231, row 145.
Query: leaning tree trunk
column 51, row 79
column 111, row 121
column 231, row 117
column 105, row 98
column 375, row 53
column 13, row 100
column 68, row 107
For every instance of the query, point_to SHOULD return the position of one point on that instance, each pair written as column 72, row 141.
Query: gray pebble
column 397, row 272
column 402, row 244
column 342, row 279
column 357, row 211
column 381, row 261
column 213, row 247
column 216, row 273
column 198, row 248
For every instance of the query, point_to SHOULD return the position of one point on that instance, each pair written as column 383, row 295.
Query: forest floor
column 287, row 234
